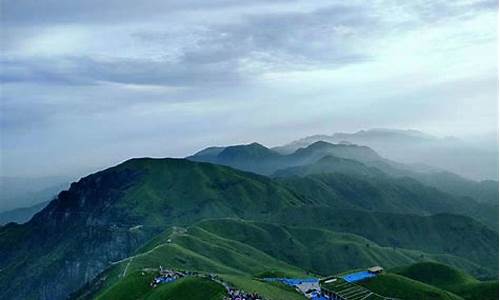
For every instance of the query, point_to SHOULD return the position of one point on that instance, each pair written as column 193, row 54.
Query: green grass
column 268, row 290
column 451, row 279
column 397, row 286
column 133, row 286
column 485, row 290
column 136, row 286
column 242, row 250
column 438, row 234
column 436, row 274
column 316, row 250
column 188, row 289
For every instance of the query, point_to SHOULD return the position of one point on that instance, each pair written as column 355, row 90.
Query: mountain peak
column 253, row 150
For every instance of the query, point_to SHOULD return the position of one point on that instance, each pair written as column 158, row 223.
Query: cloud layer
column 89, row 83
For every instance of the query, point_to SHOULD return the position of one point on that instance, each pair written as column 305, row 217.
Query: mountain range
column 240, row 211
column 473, row 157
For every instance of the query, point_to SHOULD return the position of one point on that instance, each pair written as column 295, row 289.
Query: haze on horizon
column 86, row 84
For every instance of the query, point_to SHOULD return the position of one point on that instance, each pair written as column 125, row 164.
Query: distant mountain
column 259, row 159
column 21, row 215
column 375, row 135
column 252, row 157
column 474, row 158
column 331, row 165
column 360, row 161
column 18, row 192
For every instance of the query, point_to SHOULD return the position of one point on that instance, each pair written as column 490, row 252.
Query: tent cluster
column 167, row 276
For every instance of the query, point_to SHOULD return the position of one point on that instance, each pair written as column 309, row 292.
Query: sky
column 87, row 83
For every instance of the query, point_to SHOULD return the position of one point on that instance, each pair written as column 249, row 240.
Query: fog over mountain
column 17, row 192
column 473, row 157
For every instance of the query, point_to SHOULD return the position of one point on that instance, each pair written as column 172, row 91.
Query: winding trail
column 126, row 267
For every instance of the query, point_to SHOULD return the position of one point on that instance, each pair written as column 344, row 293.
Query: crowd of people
column 234, row 294
column 166, row 276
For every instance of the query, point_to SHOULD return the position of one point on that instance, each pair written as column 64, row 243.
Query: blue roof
column 355, row 277
column 318, row 297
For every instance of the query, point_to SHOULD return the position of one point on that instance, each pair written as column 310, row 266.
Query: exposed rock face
column 70, row 241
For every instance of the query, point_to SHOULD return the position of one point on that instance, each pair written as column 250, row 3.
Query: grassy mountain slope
column 397, row 286
column 136, row 286
column 317, row 250
column 444, row 233
column 375, row 193
column 331, row 165
column 241, row 249
column 450, row 279
column 451, row 193
column 347, row 183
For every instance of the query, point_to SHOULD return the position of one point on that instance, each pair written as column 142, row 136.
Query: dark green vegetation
column 332, row 210
column 108, row 215
column 366, row 168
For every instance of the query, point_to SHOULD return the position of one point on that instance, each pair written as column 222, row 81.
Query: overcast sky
column 88, row 83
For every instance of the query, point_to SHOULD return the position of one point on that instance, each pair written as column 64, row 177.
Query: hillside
column 361, row 187
column 108, row 215
column 450, row 279
column 239, row 250
column 122, row 218
column 444, row 233
column 136, row 286
column 331, row 165
column 476, row 199
column 393, row 285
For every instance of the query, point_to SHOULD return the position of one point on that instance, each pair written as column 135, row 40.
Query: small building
column 376, row 270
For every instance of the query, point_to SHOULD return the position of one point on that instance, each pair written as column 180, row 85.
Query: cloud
column 213, row 54
column 174, row 76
